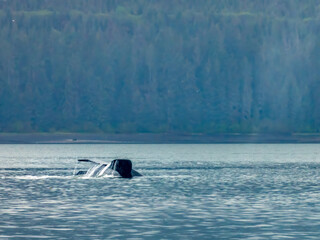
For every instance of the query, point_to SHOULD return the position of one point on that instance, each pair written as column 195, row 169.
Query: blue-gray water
column 262, row 191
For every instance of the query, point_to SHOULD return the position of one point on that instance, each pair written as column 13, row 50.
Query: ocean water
column 201, row 191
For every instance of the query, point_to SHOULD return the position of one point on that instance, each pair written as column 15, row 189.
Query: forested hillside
column 185, row 66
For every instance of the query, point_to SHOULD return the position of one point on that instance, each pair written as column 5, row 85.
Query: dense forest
column 185, row 66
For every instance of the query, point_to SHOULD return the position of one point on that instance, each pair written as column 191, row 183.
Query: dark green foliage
column 160, row 66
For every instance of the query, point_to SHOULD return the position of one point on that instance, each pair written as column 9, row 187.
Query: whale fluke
column 117, row 167
column 87, row 160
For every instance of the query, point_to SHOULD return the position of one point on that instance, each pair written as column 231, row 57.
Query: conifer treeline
column 160, row 66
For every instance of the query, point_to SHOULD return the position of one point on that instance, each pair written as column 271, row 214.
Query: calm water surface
column 262, row 191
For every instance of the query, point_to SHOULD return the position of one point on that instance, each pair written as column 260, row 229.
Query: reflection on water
column 187, row 192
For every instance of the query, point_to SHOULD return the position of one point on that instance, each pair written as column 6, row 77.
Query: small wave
column 254, row 166
column 186, row 168
column 95, row 177
column 32, row 177
column 35, row 169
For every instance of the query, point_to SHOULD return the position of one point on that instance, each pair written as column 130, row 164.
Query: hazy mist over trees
column 185, row 66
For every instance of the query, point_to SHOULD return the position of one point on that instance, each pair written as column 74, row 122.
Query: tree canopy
column 221, row 66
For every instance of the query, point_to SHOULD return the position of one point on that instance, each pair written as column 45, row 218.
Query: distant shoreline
column 152, row 138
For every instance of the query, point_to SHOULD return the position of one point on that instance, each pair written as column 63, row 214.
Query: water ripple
column 176, row 199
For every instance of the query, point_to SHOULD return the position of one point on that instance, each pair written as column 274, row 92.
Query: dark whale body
column 117, row 168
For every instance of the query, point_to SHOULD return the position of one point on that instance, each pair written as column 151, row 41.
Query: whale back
column 123, row 167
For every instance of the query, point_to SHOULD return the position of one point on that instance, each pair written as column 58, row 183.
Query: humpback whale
column 116, row 168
